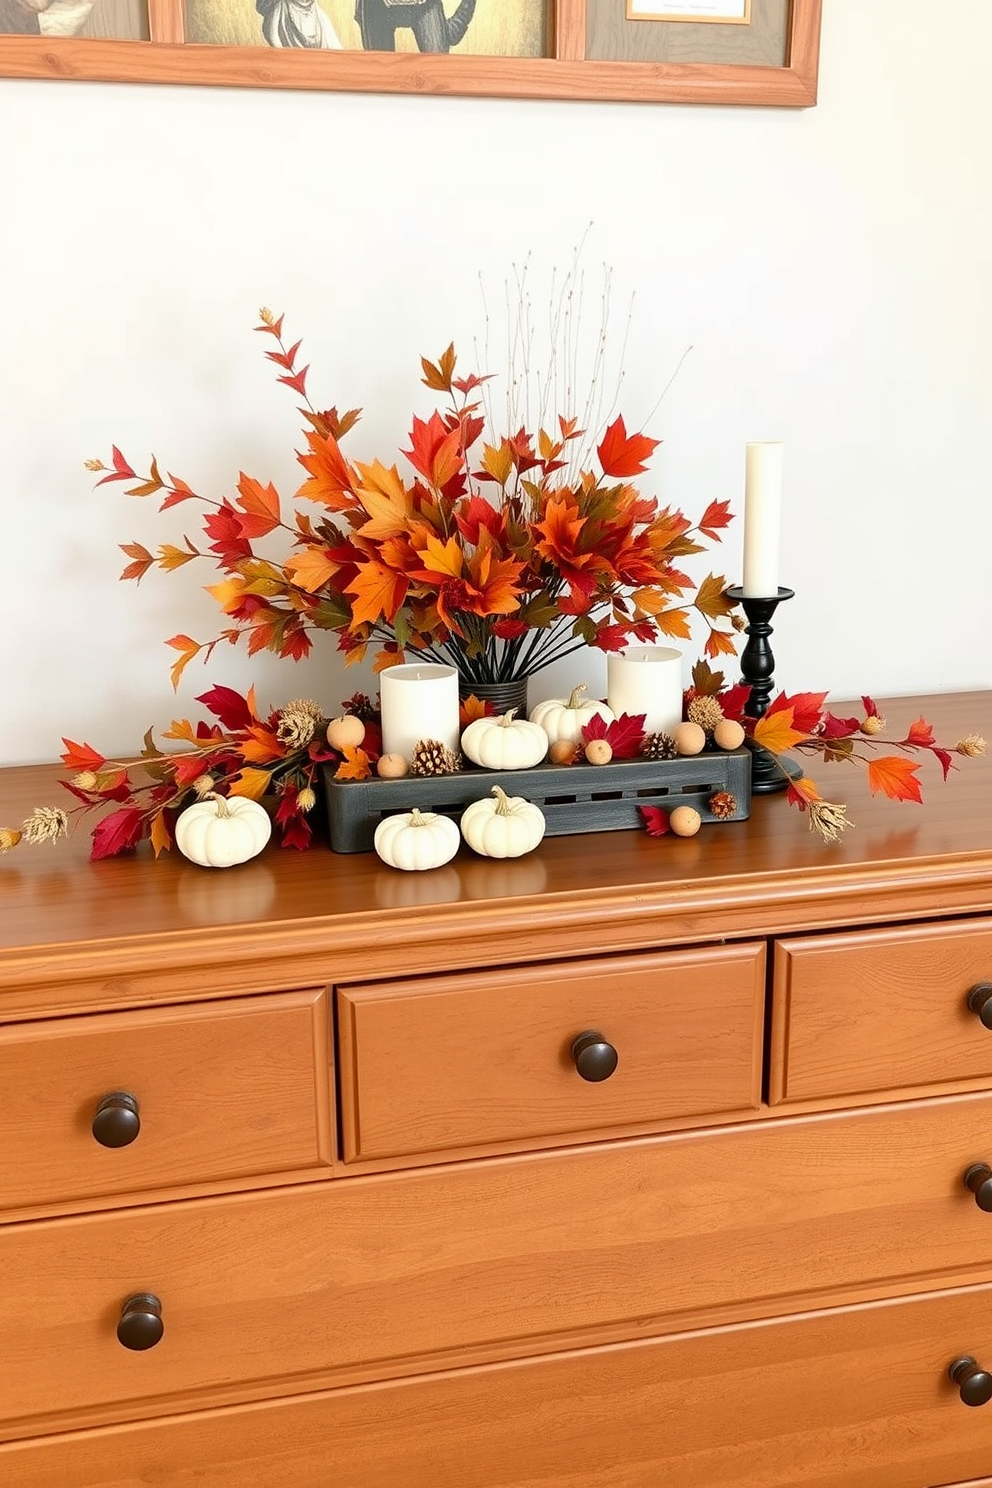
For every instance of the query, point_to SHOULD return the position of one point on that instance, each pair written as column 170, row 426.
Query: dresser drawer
column 840, row 1399
column 879, row 1010
column 439, row 1063
column 223, row 1090
column 509, row 1254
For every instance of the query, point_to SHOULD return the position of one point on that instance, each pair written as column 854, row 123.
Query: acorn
column 689, row 738
column 599, row 751
column 685, row 821
column 729, row 734
column 346, row 732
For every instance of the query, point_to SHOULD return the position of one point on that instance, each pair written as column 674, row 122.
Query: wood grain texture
column 132, row 930
column 226, row 1090
column 566, row 76
column 763, row 42
column 277, row 1289
column 879, row 1010
column 435, row 1063
column 838, row 1399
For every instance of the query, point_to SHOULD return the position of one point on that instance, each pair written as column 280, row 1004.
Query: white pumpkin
column 507, row 827
column 504, row 743
column 220, row 831
column 416, row 840
column 563, row 719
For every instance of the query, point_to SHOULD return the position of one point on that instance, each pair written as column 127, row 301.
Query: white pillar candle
column 648, row 680
column 762, row 518
column 419, row 701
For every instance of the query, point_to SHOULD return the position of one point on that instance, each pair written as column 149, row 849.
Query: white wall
column 829, row 268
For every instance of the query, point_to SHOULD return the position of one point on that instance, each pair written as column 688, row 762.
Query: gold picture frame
column 568, row 72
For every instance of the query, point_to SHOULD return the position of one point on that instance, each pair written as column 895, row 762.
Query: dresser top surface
column 941, row 852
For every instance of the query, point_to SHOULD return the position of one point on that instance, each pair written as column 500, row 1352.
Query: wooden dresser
column 307, row 1180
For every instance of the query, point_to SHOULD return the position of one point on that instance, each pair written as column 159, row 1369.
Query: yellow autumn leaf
column 497, row 462
column 775, row 731
column 251, row 783
column 228, row 593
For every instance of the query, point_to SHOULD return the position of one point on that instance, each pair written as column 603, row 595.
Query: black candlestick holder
column 769, row 772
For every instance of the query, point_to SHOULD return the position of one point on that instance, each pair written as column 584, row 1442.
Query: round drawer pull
column 979, row 1179
column 116, row 1122
column 980, row 1002
column 593, row 1056
column 140, row 1325
column 974, row 1385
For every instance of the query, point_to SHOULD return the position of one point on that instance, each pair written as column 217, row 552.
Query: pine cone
column 658, row 746
column 705, row 711
column 431, row 757
column 298, row 723
column 723, row 804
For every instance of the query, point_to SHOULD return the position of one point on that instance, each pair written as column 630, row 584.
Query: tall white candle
column 648, row 680
column 762, row 518
column 419, row 701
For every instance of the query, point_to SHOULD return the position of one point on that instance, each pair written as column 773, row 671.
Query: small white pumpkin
column 508, row 827
column 416, row 840
column 504, row 743
column 220, row 831
column 563, row 719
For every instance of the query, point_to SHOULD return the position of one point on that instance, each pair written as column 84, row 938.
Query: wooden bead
column 599, row 752
column 728, row 734
column 685, row 821
column 689, row 738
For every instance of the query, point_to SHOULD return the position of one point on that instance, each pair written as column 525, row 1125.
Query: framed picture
column 649, row 51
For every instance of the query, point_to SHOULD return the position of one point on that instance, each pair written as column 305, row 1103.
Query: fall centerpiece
column 498, row 553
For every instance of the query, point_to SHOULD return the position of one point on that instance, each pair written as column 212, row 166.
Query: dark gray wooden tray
column 573, row 798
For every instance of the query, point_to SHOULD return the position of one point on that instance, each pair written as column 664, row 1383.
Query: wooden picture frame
column 568, row 73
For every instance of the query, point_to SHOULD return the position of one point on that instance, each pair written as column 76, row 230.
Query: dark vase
column 502, row 695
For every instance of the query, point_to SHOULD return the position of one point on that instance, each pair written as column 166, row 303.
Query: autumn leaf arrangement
column 495, row 553
column 276, row 758
column 800, row 727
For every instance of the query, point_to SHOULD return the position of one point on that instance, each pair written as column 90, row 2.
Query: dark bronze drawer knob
column 974, row 1385
column 979, row 1179
column 116, row 1121
column 593, row 1057
column 980, row 1002
column 140, row 1325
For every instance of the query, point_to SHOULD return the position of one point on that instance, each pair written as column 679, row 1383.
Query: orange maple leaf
column 378, row 591
column 775, row 731
column 895, row 778
column 250, row 782
column 159, row 834
column 356, row 765
column 260, row 513
column 621, row 454
column 311, row 569
column 435, row 450
column 471, row 708
column 720, row 643
column 331, row 479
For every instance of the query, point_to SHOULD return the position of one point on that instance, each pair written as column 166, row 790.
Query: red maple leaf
column 734, row 701
column 807, row 709
column 623, row 455
column 624, row 734
column 655, row 820
column 229, row 706
column 920, row 735
column 117, row 833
